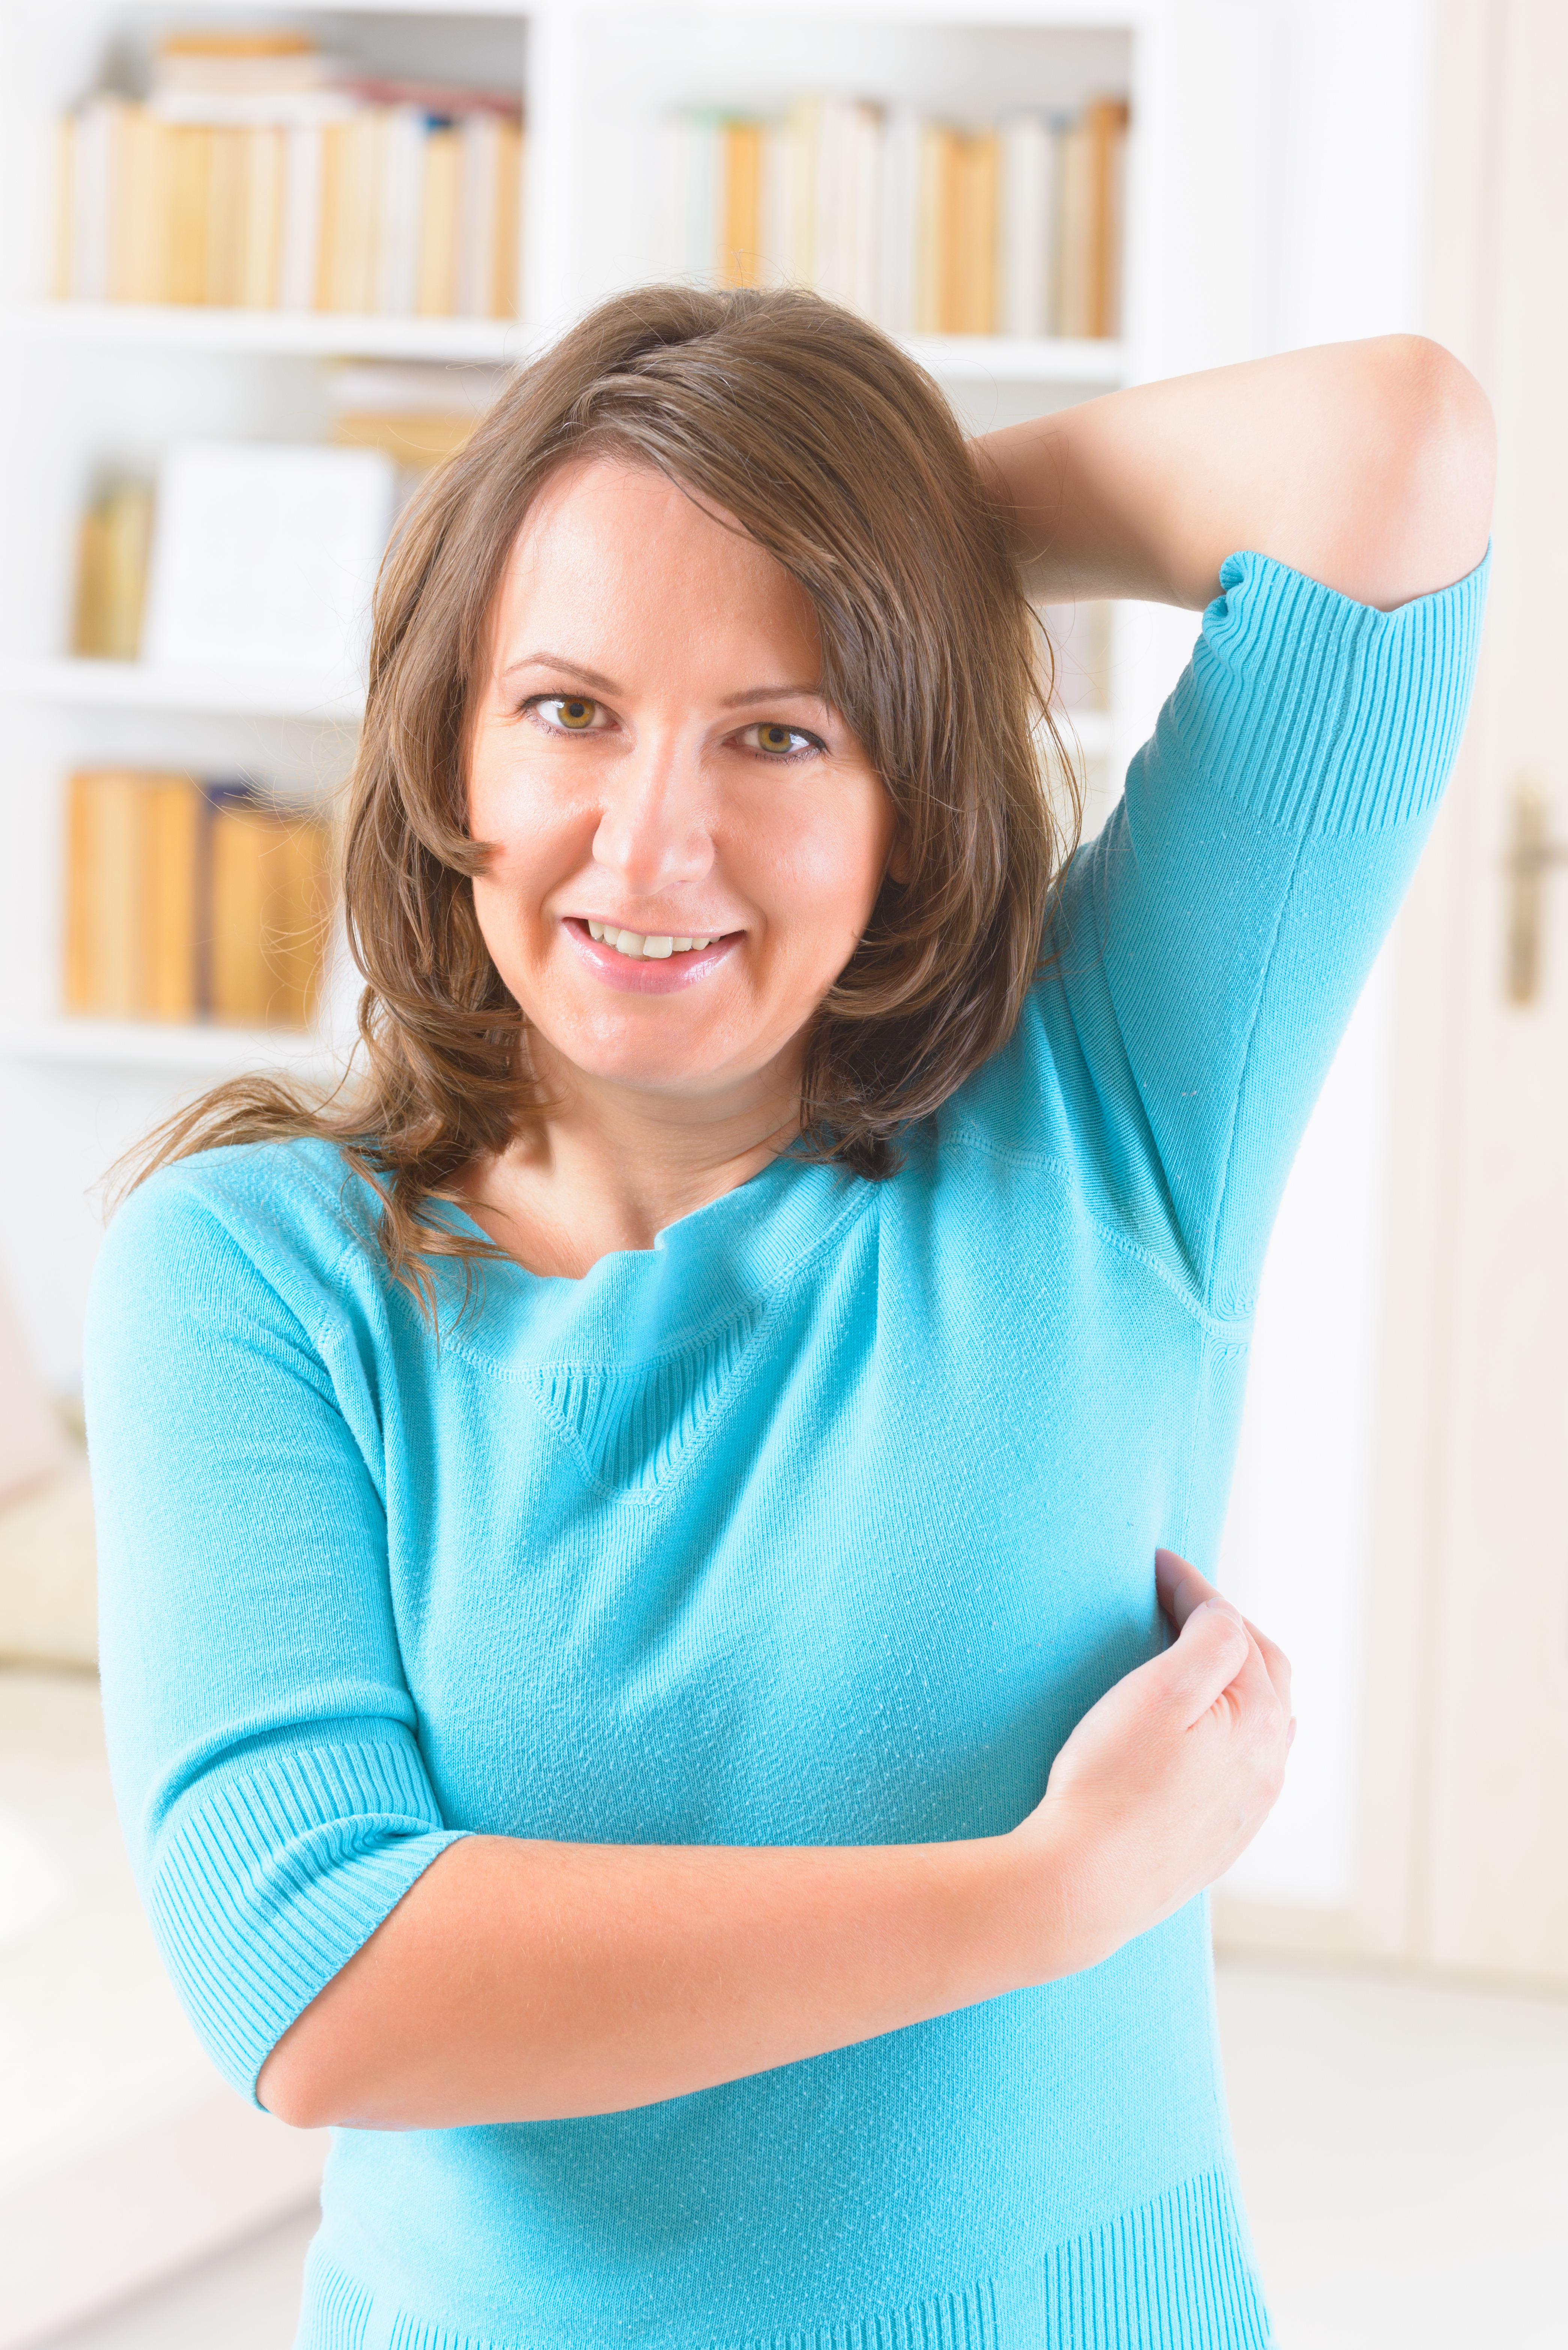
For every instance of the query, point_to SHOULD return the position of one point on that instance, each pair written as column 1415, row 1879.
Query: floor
column 1403, row 2150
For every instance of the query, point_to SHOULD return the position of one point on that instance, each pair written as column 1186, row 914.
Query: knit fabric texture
column 822, row 1522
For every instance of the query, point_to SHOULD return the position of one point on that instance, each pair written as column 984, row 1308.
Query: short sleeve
column 1212, row 942
column 262, row 1736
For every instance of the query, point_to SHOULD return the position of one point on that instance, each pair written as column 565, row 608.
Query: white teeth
column 633, row 943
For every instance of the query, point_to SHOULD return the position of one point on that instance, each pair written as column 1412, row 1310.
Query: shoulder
column 286, row 1214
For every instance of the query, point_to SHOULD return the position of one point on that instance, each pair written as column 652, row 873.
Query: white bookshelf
column 84, row 385
column 66, row 684
column 204, row 1052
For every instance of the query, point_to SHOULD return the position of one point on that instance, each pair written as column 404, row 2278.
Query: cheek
column 834, row 861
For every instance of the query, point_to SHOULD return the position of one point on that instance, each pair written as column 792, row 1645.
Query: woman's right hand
column 1166, row 1781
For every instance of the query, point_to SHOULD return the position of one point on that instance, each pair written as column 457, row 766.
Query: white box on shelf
column 265, row 557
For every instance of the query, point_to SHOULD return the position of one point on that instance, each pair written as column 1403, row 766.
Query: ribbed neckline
column 703, row 1272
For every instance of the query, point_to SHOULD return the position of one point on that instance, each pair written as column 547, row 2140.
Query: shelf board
column 956, row 358
column 287, row 334
column 168, row 1045
column 1018, row 358
column 132, row 685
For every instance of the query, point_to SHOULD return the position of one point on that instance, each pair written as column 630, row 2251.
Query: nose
column 653, row 832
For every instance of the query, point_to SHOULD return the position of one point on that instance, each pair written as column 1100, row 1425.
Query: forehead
column 608, row 542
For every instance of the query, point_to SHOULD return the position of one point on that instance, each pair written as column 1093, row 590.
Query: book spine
column 899, row 199
column 296, row 916
column 934, row 230
column 972, row 301
column 238, row 837
column 802, row 130
column 741, row 247
column 190, row 160
column 105, row 898
column 1024, row 263
column 223, row 225
column 439, row 218
column 301, row 233
column 172, row 815
column 480, row 138
column 92, row 195
column 1075, row 241
column 262, row 217
column 506, row 291
column 402, row 181
column 864, row 258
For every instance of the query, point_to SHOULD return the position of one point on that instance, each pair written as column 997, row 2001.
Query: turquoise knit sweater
column 822, row 1520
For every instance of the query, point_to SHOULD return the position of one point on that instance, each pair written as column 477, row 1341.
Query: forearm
column 523, row 1981
column 1368, row 466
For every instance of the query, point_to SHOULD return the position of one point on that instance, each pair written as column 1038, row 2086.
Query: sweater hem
column 1173, row 2270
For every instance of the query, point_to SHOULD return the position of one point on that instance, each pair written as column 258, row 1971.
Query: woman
column 607, row 1537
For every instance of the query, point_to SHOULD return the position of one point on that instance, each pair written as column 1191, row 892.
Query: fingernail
column 1224, row 1607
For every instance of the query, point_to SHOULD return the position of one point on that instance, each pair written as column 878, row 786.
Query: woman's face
column 689, row 841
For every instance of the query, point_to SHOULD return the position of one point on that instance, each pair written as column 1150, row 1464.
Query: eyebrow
column 602, row 684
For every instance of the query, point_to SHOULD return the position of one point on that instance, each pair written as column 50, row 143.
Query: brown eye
column 572, row 711
column 778, row 742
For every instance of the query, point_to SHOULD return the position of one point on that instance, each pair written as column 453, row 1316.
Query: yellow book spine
column 126, row 544
column 297, row 863
column 506, row 297
column 976, row 205
column 934, row 229
column 87, row 625
column 172, row 814
column 438, row 214
column 740, row 249
column 239, row 981
column 104, row 893
column 190, row 156
column 223, row 225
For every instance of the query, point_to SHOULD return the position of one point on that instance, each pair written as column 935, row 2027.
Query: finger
column 1278, row 1664
column 1212, row 1650
column 1180, row 1586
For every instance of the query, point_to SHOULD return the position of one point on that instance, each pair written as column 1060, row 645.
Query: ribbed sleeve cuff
column 1321, row 715
column 270, row 1885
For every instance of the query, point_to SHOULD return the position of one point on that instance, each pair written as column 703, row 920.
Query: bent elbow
column 1435, row 464
column 291, row 2093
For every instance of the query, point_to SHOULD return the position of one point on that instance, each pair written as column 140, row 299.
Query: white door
column 1491, row 1882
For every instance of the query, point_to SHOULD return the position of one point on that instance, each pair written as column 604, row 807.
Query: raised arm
column 1368, row 466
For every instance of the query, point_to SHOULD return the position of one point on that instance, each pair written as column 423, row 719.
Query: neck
column 609, row 1168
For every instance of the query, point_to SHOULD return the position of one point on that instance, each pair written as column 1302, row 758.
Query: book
column 741, row 229
column 253, row 177
column 968, row 277
column 111, row 572
column 925, row 226
column 131, row 896
column 190, row 901
column 266, row 911
column 441, row 222
column 418, row 412
column 1026, row 290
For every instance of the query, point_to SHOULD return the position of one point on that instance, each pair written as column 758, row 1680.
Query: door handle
column 1531, row 854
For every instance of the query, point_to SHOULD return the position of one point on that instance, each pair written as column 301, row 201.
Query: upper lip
column 643, row 928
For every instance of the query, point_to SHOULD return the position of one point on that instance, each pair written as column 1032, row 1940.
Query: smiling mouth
column 649, row 946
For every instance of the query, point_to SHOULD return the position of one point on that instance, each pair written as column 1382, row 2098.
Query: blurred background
column 258, row 271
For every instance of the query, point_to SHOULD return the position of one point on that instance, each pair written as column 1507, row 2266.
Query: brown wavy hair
column 834, row 451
